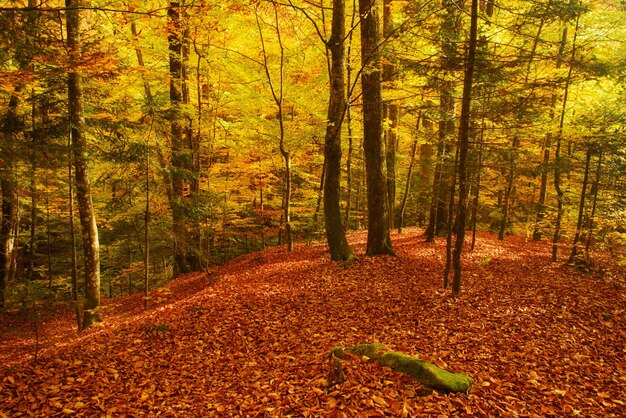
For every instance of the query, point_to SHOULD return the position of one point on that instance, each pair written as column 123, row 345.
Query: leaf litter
column 252, row 338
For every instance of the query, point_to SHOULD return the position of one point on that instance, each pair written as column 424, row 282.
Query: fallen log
column 426, row 373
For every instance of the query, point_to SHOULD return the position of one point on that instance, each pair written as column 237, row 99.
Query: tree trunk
column 581, row 208
column 74, row 270
column 335, row 233
column 83, row 184
column 389, row 78
column 407, row 187
column 596, row 188
column 349, row 122
column 278, row 96
column 463, row 149
column 182, row 246
column 378, row 239
column 449, row 224
column 479, row 167
column 506, row 204
column 559, row 140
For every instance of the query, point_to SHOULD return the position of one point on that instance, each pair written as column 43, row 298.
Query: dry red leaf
column 539, row 339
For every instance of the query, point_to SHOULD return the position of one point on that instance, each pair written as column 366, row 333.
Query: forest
column 245, row 186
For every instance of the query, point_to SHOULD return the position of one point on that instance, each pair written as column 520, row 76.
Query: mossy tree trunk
column 426, row 373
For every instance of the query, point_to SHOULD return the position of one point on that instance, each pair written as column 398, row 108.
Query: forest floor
column 252, row 338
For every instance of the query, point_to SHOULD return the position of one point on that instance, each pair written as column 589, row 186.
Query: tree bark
column 335, row 233
column 184, row 257
column 378, row 238
column 559, row 139
column 464, row 147
column 581, row 208
column 87, row 216
column 595, row 190
column 407, row 186
column 278, row 96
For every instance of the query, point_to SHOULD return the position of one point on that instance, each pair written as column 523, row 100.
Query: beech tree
column 378, row 239
column 464, row 133
column 86, row 211
column 335, row 233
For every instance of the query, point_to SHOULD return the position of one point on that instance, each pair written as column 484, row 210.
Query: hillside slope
column 252, row 339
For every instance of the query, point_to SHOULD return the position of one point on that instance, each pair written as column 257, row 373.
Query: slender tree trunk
column 48, row 247
column 349, row 122
column 557, row 154
column 479, row 167
column 146, row 227
column 389, row 78
column 74, row 255
column 450, row 223
column 596, row 188
column 32, row 253
column 335, row 233
column 83, row 184
column 378, row 239
column 463, row 148
column 506, row 204
column 581, row 208
column 407, row 186
column 320, row 191
column 278, row 95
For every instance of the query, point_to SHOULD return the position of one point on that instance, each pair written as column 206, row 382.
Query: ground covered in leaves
column 252, row 338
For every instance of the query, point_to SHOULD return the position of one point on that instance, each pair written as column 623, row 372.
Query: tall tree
column 449, row 38
column 378, row 239
column 464, row 131
column 81, row 162
column 335, row 233
column 390, row 111
column 278, row 94
column 185, row 258
column 558, row 160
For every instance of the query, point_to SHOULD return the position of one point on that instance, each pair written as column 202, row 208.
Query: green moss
column 426, row 373
column 374, row 351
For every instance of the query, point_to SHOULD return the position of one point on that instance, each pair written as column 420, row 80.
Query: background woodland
column 156, row 138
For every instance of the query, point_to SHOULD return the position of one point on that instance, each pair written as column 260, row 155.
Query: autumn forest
column 313, row 208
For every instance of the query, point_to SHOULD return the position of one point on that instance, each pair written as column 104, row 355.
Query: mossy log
column 424, row 372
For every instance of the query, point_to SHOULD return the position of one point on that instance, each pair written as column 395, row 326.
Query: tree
column 87, row 215
column 464, row 132
column 378, row 239
column 278, row 96
column 185, row 258
column 335, row 233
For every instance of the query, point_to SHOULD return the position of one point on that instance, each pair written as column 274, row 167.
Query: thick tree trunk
column 81, row 160
column 378, row 239
column 183, row 253
column 463, row 149
column 335, row 232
